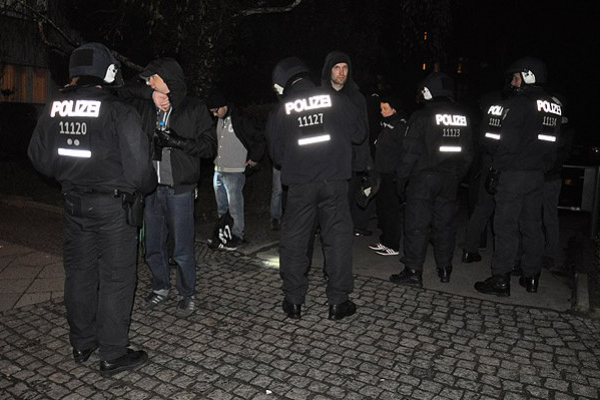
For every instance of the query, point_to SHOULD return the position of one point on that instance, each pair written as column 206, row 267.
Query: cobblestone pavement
column 403, row 343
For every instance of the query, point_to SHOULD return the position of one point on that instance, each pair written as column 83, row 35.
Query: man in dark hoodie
column 182, row 133
column 337, row 76
column 241, row 147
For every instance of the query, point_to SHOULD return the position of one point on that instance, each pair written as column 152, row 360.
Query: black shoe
column 444, row 273
column 498, row 285
column 82, row 355
column 153, row 300
column 362, row 232
column 408, row 277
column 516, row 270
column 293, row 311
column 530, row 283
column 343, row 310
column 129, row 360
column 468, row 257
column 186, row 306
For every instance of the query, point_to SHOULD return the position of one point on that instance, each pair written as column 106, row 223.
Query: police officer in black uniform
column 310, row 134
column 93, row 144
column 525, row 148
column 483, row 209
column 437, row 152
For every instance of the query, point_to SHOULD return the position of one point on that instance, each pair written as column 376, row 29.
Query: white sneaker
column 377, row 247
column 388, row 252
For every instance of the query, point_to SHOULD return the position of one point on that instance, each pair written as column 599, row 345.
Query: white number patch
column 310, row 120
column 72, row 128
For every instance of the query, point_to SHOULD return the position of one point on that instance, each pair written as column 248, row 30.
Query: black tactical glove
column 171, row 139
column 369, row 186
column 491, row 181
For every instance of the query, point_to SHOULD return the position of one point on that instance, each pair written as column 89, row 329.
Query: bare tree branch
column 41, row 18
column 269, row 10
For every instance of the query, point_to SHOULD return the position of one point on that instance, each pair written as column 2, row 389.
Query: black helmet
column 95, row 59
column 436, row 84
column 285, row 70
column 532, row 70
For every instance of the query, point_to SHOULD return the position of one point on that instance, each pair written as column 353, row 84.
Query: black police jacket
column 529, row 133
column 310, row 134
column 87, row 138
column 389, row 144
column 189, row 119
column 438, row 139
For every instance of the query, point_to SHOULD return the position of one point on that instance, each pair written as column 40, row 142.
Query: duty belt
column 97, row 192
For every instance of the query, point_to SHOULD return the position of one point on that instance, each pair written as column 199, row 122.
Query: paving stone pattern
column 404, row 343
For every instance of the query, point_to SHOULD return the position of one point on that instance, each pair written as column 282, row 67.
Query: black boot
column 293, row 311
column 498, row 285
column 444, row 273
column 530, row 283
column 468, row 257
column 409, row 277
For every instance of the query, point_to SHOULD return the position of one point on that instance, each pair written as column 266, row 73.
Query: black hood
column 170, row 71
column 333, row 58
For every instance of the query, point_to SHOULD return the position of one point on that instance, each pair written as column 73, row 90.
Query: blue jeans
column 276, row 195
column 168, row 213
column 229, row 188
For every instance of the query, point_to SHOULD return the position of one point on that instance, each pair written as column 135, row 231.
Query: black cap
column 216, row 100
column 151, row 69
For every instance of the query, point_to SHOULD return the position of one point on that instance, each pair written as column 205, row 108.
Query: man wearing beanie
column 337, row 76
column 240, row 147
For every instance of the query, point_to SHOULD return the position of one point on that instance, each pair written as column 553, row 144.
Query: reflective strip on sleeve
column 450, row 149
column 314, row 139
column 547, row 138
column 495, row 136
column 74, row 153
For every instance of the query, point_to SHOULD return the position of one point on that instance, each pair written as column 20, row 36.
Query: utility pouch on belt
column 491, row 181
column 134, row 205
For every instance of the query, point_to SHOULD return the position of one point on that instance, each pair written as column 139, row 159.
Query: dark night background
column 384, row 38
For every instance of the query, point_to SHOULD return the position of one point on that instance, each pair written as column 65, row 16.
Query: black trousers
column 327, row 203
column 480, row 217
column 430, row 213
column 100, row 273
column 518, row 214
column 389, row 212
column 360, row 216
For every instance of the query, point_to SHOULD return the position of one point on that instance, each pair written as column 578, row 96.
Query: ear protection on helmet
column 111, row 73
column 528, row 77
